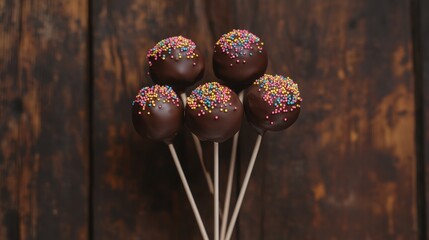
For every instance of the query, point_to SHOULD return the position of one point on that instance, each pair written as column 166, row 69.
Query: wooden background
column 354, row 166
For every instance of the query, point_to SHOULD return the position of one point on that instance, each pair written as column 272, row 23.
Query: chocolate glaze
column 207, row 128
column 239, row 75
column 257, row 110
column 163, row 122
column 177, row 73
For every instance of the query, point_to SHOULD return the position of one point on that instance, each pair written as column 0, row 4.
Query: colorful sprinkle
column 150, row 96
column 165, row 47
column 282, row 92
column 209, row 96
column 235, row 42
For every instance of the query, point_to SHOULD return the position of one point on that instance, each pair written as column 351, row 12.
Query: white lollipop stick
column 243, row 188
column 216, row 191
column 200, row 153
column 230, row 179
column 188, row 192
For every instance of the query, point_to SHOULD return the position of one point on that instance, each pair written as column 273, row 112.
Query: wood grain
column 346, row 169
column 423, row 33
column 137, row 191
column 43, row 120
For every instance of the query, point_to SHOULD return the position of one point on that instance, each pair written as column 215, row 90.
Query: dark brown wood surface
column 72, row 167
column 44, row 128
column 137, row 192
column 346, row 169
column 422, row 62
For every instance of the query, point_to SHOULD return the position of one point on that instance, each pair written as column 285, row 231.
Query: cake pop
column 272, row 103
column 175, row 61
column 213, row 112
column 239, row 58
column 157, row 113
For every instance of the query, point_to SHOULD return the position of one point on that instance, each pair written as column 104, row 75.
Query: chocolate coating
column 237, row 66
column 159, row 120
column 264, row 116
column 215, row 124
column 173, row 67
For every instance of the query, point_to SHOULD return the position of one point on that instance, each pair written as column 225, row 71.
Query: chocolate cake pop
column 213, row 112
column 239, row 58
column 176, row 62
column 157, row 113
column 272, row 103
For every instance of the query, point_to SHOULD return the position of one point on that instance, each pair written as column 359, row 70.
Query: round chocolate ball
column 272, row 103
column 176, row 62
column 157, row 113
column 239, row 58
column 213, row 112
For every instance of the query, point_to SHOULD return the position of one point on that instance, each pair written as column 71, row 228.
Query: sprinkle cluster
column 280, row 92
column 209, row 96
column 235, row 42
column 150, row 96
column 164, row 49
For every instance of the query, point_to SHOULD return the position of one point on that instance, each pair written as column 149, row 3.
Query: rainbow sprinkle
column 282, row 92
column 165, row 47
column 150, row 96
column 235, row 42
column 209, row 96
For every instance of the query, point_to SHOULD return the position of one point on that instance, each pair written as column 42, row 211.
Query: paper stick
column 243, row 188
column 230, row 180
column 216, row 191
column 200, row 153
column 188, row 192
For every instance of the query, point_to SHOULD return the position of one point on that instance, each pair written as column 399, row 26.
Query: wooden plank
column 9, row 165
column 350, row 176
column 423, row 33
column 44, row 125
column 137, row 191
column 346, row 169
